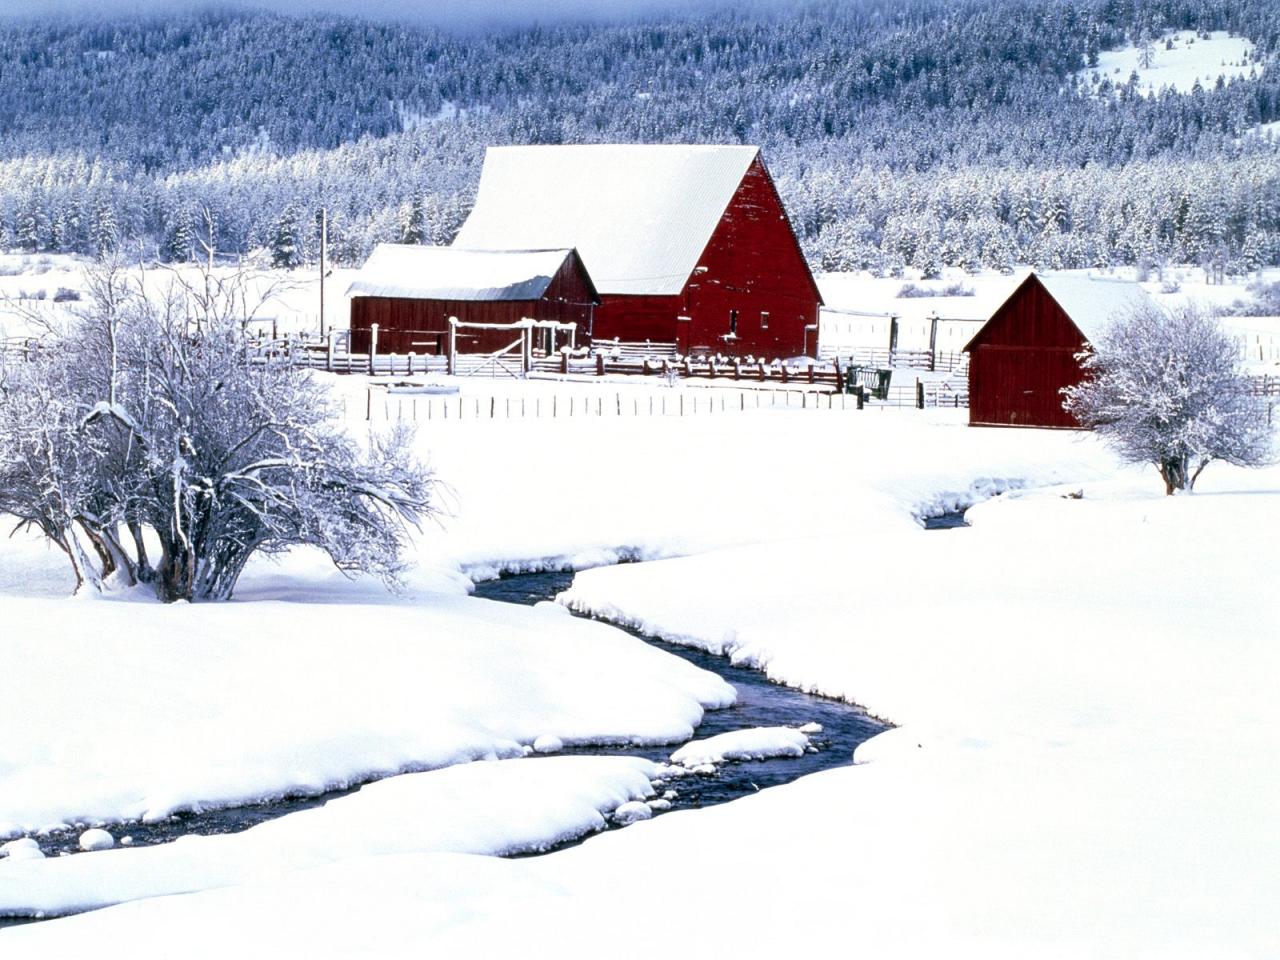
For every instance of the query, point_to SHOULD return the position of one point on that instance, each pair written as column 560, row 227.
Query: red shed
column 686, row 244
column 410, row 292
column 1023, row 356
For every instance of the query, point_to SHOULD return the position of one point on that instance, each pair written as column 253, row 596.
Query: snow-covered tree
column 151, row 416
column 1167, row 389
column 286, row 239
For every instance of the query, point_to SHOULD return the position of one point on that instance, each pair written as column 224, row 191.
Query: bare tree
column 1168, row 389
column 151, row 416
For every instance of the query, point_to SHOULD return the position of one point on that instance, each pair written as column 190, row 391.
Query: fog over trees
column 901, row 132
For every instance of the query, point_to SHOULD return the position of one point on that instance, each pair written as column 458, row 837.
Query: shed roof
column 1092, row 303
column 640, row 215
column 453, row 273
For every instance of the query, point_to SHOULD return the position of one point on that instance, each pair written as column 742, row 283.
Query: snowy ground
column 1190, row 59
column 36, row 287
column 1083, row 767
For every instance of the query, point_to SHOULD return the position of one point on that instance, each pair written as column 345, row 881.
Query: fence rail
column 382, row 405
column 935, row 360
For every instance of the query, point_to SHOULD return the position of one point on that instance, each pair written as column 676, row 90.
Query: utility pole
column 324, row 267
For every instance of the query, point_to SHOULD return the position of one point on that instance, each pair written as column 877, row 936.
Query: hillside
column 918, row 133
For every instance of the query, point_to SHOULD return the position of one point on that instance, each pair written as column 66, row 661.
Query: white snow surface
column 1093, row 303
column 96, row 839
column 1191, row 59
column 451, row 273
column 756, row 743
column 640, row 215
column 179, row 707
column 1083, row 767
column 491, row 808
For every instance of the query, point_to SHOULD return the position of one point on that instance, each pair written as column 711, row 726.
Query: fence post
column 373, row 346
column 368, row 405
column 452, row 360
column 332, row 347
column 564, row 362
column 599, row 364
column 860, row 394
column 412, row 354
column 919, row 394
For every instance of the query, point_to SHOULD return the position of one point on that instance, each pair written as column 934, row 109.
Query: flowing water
column 760, row 704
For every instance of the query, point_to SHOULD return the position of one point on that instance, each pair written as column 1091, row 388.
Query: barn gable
column 1089, row 304
column 639, row 215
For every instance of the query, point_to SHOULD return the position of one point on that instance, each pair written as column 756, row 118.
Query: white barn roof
column 1093, row 303
column 639, row 215
column 452, row 273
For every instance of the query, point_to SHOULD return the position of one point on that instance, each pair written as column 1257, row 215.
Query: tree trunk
column 1176, row 475
column 174, row 574
column 144, row 572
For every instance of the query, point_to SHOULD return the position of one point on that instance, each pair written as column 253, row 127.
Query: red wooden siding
column 422, row 326
column 1020, row 361
column 754, row 266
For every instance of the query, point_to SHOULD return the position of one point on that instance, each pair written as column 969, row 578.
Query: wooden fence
column 386, row 405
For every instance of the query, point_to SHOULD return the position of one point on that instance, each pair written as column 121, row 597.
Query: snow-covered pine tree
column 106, row 232
column 285, row 243
column 1167, row 389
column 1092, row 43
column 413, row 220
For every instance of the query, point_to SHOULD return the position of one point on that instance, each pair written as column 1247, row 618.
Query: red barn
column 685, row 244
column 410, row 292
column 1023, row 356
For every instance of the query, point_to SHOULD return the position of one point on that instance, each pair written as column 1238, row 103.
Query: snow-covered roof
column 1093, row 303
column 453, row 273
column 640, row 215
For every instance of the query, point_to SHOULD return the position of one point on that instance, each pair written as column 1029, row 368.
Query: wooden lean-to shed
column 411, row 291
column 686, row 244
column 1024, row 355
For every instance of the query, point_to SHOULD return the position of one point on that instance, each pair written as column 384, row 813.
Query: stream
column 760, row 704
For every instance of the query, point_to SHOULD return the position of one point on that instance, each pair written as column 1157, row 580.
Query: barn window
column 733, row 322
column 764, row 319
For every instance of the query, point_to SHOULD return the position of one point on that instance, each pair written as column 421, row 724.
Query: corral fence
column 18, row 348
column 1265, row 386
column 946, row 361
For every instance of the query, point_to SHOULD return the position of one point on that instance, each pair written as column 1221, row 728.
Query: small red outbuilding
column 1023, row 356
column 410, row 292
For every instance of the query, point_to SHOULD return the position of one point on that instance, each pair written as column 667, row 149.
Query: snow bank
column 758, row 743
column 623, row 488
column 497, row 808
column 118, row 710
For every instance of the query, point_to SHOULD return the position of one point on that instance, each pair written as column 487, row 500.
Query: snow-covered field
column 858, row 305
column 1082, row 680
column 38, row 286
column 1189, row 59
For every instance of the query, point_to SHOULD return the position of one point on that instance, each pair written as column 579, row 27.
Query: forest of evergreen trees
column 902, row 133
